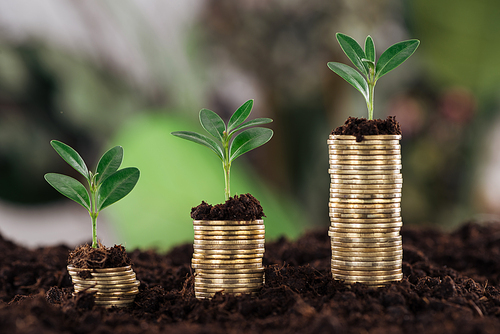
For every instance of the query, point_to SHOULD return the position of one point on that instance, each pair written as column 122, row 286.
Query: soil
column 450, row 285
column 86, row 257
column 360, row 127
column 242, row 207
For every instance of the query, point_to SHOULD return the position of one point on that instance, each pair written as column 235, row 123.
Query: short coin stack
column 112, row 286
column 228, row 257
column 365, row 208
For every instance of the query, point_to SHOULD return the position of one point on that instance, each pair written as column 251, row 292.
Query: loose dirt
column 450, row 285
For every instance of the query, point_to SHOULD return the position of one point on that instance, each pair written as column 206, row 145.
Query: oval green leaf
column 70, row 188
column 353, row 51
column 202, row 140
column 71, row 157
column 117, row 186
column 212, row 123
column 370, row 49
column 257, row 121
column 394, row 56
column 248, row 140
column 351, row 76
column 109, row 163
column 240, row 115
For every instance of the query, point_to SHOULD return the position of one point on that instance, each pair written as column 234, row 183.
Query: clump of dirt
column 86, row 257
column 242, row 207
column 360, row 127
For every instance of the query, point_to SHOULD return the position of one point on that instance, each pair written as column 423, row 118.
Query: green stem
column 226, row 164
column 371, row 90
column 93, row 216
column 93, row 212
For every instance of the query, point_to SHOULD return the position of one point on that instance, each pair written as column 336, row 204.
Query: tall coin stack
column 365, row 208
column 112, row 286
column 228, row 257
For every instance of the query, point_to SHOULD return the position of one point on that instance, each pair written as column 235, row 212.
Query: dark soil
column 360, row 127
column 86, row 257
column 450, row 285
column 242, row 207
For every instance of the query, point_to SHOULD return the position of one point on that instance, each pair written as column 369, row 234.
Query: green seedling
column 227, row 148
column 370, row 70
column 105, row 187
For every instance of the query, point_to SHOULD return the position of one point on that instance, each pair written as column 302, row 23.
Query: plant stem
column 226, row 164
column 93, row 216
column 371, row 89
column 227, row 168
column 93, row 212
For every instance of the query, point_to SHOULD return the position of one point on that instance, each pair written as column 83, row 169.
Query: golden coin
column 229, row 251
column 373, row 164
column 234, row 233
column 365, row 215
column 335, row 182
column 355, row 157
column 384, row 272
column 396, row 257
column 364, row 235
column 366, row 137
column 255, row 275
column 227, row 262
column 364, row 230
column 365, row 211
column 228, row 222
column 363, row 206
column 365, row 187
column 229, row 237
column 101, row 270
column 364, row 172
column 227, row 227
column 367, row 176
column 230, row 271
column 361, row 265
column 228, row 247
column 364, row 225
column 364, row 152
column 364, row 249
column 227, row 290
column 88, row 281
column 227, row 281
column 365, row 220
column 116, row 303
column 352, row 146
column 365, row 196
column 352, row 245
column 336, row 239
column 363, row 201
column 227, row 266
column 334, row 166
column 252, row 241
column 227, row 256
column 369, row 278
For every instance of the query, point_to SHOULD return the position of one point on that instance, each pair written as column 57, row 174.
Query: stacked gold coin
column 228, row 257
column 112, row 286
column 365, row 208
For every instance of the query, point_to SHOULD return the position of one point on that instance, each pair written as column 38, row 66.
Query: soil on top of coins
column 450, row 285
column 360, row 127
column 86, row 257
column 239, row 207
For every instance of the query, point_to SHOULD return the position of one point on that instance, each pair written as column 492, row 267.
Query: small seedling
column 105, row 187
column 370, row 70
column 226, row 149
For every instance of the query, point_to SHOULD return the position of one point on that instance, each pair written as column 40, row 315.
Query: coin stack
column 112, row 286
column 228, row 257
column 365, row 209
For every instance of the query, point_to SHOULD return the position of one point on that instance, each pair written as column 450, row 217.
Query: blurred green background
column 99, row 73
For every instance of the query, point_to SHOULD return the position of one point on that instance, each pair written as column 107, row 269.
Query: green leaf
column 351, row 76
column 257, row 121
column 394, row 56
column 117, row 186
column 240, row 115
column 212, row 123
column 109, row 163
column 71, row 157
column 369, row 49
column 248, row 140
column 70, row 188
column 353, row 51
column 200, row 139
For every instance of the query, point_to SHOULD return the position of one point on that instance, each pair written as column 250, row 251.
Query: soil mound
column 360, row 127
column 242, row 207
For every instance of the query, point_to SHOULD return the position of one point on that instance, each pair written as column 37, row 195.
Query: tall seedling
column 371, row 70
column 223, row 144
column 105, row 187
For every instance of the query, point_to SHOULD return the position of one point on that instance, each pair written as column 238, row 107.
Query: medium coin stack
column 228, row 257
column 365, row 208
column 112, row 286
